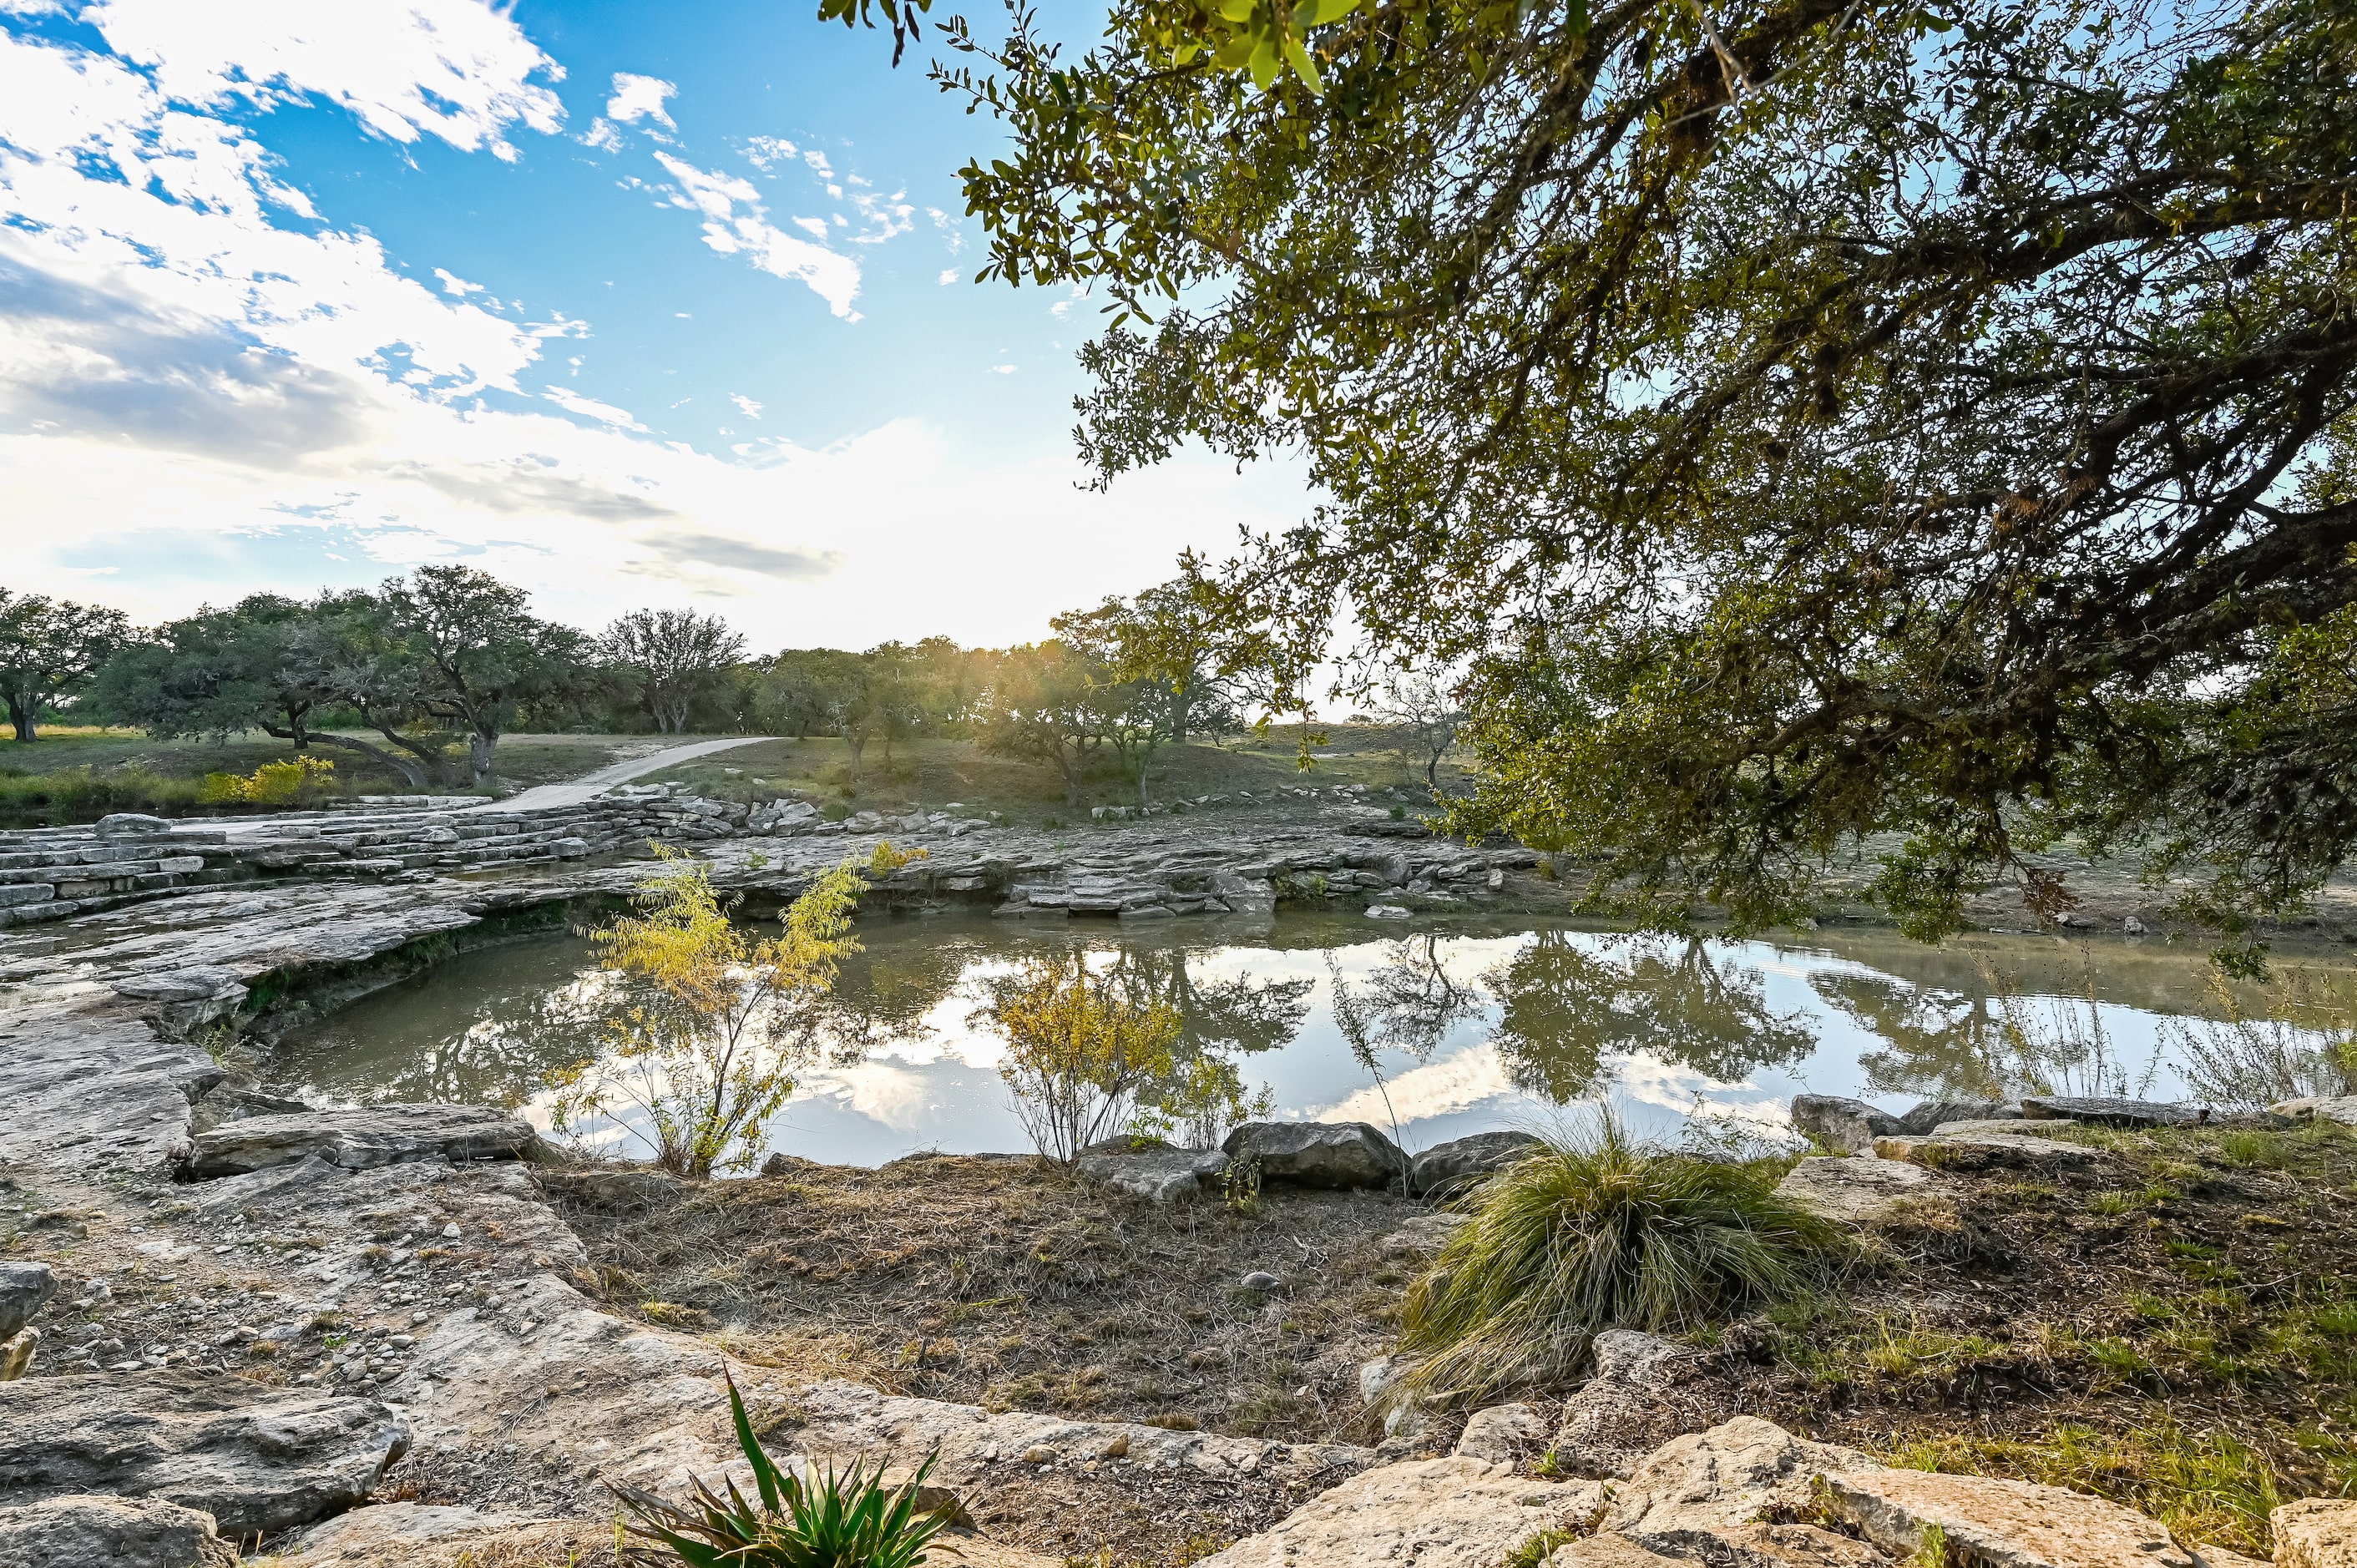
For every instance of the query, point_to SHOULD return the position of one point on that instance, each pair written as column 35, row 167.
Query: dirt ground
column 1009, row 1283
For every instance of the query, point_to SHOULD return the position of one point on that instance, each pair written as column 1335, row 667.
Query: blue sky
column 631, row 303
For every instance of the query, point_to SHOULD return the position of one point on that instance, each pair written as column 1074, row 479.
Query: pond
column 1438, row 1031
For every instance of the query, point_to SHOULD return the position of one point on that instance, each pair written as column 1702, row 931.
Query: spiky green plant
column 850, row 1521
column 1597, row 1231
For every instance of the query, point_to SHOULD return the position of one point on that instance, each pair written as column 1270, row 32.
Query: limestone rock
column 1848, row 1125
column 393, row 1532
column 1717, row 1484
column 16, row 1353
column 25, row 1289
column 1609, row 1549
column 2315, row 1532
column 85, row 1531
column 1424, row 1235
column 1854, row 1191
column 618, row 1189
column 1998, row 1523
column 2110, row 1112
column 359, row 1139
column 255, row 1458
column 1446, row 1169
column 1630, row 1404
column 1318, row 1153
column 1932, row 1112
column 1504, row 1434
column 2341, row 1108
column 1983, row 1151
column 1158, row 1176
column 1436, row 1513
column 130, row 824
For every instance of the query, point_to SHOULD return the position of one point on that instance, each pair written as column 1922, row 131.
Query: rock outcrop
column 1850, row 1126
column 254, row 1458
column 1436, row 1513
column 360, row 1138
column 1318, row 1153
column 2315, row 1532
column 88, row 1532
column 2103, row 1111
column 1860, row 1190
column 1998, row 1523
column 1162, row 1176
column 1446, row 1169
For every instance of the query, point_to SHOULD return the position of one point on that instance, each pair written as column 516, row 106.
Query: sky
column 631, row 305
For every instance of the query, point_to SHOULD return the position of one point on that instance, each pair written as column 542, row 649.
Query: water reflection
column 1446, row 1032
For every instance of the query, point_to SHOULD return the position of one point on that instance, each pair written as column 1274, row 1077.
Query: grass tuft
column 1601, row 1231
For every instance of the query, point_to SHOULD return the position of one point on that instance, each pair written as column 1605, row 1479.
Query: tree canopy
column 1923, row 426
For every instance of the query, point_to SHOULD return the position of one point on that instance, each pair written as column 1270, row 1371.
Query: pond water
column 1438, row 1031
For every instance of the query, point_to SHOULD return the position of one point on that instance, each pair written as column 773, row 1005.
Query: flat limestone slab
column 362, row 1138
column 1980, row 1151
column 1998, row 1523
column 1435, row 1513
column 255, row 1458
column 1859, row 1190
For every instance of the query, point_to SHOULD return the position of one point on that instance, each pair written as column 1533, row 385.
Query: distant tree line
column 422, row 674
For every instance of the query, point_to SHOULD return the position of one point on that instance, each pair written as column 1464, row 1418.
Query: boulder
column 130, row 824
column 1504, row 1434
column 85, row 1531
column 1854, row 1191
column 2341, row 1108
column 1318, row 1153
column 359, row 1139
column 2315, row 1532
column 1450, row 1167
column 1849, row 1125
column 1998, row 1524
column 25, row 1289
column 253, row 1457
column 1705, row 1496
column 1424, row 1235
column 1932, row 1112
column 2106, row 1111
column 1436, row 1513
column 1163, row 1175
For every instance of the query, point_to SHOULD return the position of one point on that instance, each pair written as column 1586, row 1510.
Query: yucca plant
column 848, row 1520
column 1594, row 1232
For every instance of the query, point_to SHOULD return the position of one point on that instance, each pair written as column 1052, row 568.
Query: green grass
column 1600, row 1231
column 2208, row 1486
column 933, row 773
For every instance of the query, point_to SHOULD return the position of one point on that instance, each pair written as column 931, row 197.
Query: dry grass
column 1010, row 1284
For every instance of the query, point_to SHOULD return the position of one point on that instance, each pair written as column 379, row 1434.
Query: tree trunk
column 1431, row 767
column 413, row 773
column 478, row 756
column 23, row 715
column 858, row 740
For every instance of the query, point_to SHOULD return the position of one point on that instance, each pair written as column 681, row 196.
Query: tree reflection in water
column 1990, row 1043
column 1565, row 1007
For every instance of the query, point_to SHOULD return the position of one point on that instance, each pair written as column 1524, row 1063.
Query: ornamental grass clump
column 1597, row 1231
column 848, row 1520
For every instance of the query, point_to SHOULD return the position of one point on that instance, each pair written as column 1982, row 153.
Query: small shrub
column 848, row 1520
column 271, row 784
column 886, row 860
column 1598, row 1232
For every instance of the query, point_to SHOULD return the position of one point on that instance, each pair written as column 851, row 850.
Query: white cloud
column 602, row 136
column 196, row 401
column 748, row 406
column 1001, row 370
column 814, row 227
column 458, row 70
column 819, row 165
column 590, row 408
column 832, row 277
column 765, row 152
column 453, row 283
column 949, row 275
column 638, row 97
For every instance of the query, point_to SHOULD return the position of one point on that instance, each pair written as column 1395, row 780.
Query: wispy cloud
column 748, row 406
column 458, row 70
column 735, row 223
column 590, row 408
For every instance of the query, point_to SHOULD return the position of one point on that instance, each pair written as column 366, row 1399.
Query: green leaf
column 1303, row 66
